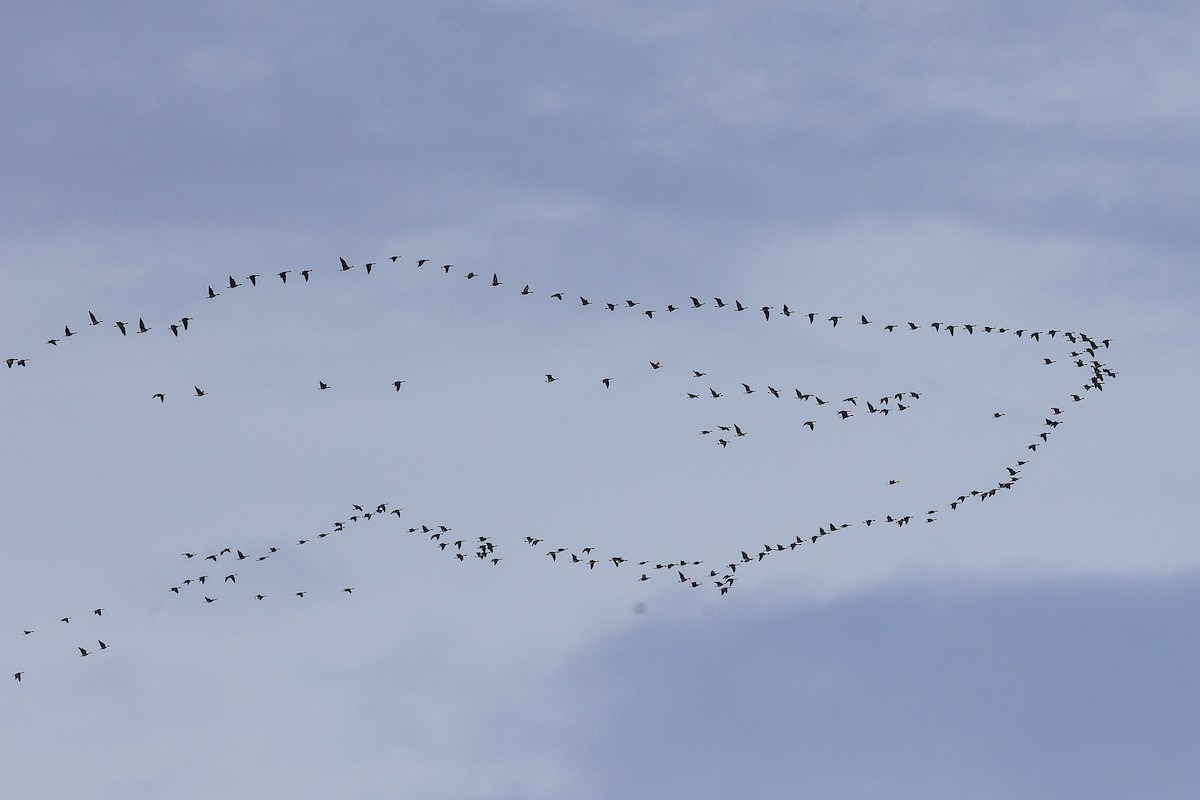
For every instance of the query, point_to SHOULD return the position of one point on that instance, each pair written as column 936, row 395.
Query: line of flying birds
column 1084, row 353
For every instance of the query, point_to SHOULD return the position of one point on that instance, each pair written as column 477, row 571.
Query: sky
column 1016, row 166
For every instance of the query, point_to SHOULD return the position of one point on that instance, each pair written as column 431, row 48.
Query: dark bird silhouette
column 253, row 279
column 212, row 294
column 184, row 322
column 304, row 273
column 283, row 275
column 142, row 326
column 345, row 266
column 162, row 398
column 120, row 326
column 232, row 283
column 526, row 290
column 174, row 329
column 82, row 652
column 655, row 365
column 98, row 611
column 607, row 382
column 93, row 320
column 67, row 331
column 103, row 646
column 496, row 281
column 199, row 392
column 766, row 311
column 322, row 385
column 695, row 302
column 397, row 384
column 369, row 266
column 17, row 676
column 550, row 378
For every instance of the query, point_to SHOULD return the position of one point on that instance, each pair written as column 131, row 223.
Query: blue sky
column 1019, row 166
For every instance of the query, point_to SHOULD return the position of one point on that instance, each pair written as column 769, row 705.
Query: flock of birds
column 210, row 586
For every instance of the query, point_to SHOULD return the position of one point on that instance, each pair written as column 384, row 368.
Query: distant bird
column 348, row 590
column 120, row 326
column 17, row 676
column 253, row 279
column 98, row 611
column 232, row 283
column 304, row 273
column 655, row 365
column 210, row 599
column 142, row 326
column 834, row 320
column 82, row 652
column 397, row 384
column 162, row 398
column 301, row 594
column 93, row 320
column 66, row 620
column 345, row 266
column 607, row 382
column 550, row 378
column 863, row 320
column 103, row 646
column 695, row 302
column 199, row 392
column 67, row 331
column 394, row 259
column 766, row 312
column 259, row 596
column 322, row 385
column 184, row 322
column 368, row 266
column 526, row 290
column 174, row 329
column 496, row 281
column 746, row 389
column 698, row 374
column 283, row 275
column 212, row 294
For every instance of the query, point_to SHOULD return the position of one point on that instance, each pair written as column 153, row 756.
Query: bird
column 82, row 652
column 142, row 326
column 232, row 283
column 199, row 392
column 93, row 320
column 174, row 329
column 367, row 266
column 397, row 384
column 103, row 646
column 345, row 266
column 550, row 378
column 67, row 331
column 162, row 398
column 607, row 382
column 98, row 612
column 304, row 273
column 348, row 590
column 120, row 326
column 212, row 294
column 17, row 676
column 526, row 290
column 253, row 279
column 655, row 365
column 496, row 281
column 283, row 275
column 322, row 385
column 301, row 594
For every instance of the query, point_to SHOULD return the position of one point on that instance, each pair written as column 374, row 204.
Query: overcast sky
column 1016, row 166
